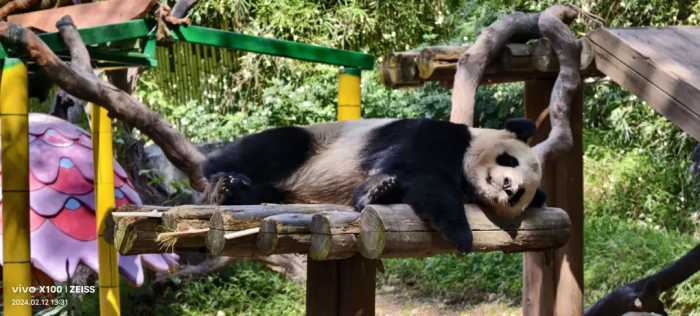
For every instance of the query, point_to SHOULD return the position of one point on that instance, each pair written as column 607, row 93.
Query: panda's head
column 502, row 168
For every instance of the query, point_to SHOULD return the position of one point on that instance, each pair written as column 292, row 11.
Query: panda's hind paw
column 373, row 190
column 383, row 185
column 226, row 185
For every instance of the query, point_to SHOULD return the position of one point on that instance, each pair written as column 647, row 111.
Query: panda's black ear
column 521, row 127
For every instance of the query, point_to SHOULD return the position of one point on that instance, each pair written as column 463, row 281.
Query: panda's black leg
column 440, row 202
column 376, row 189
column 228, row 188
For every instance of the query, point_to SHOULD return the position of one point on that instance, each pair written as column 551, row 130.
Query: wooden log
column 187, row 217
column 284, row 233
column 240, row 217
column 136, row 234
column 389, row 231
column 130, row 226
column 334, row 235
column 157, row 229
column 517, row 62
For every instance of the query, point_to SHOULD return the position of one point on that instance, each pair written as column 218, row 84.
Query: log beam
column 334, row 235
column 390, row 231
column 326, row 232
column 241, row 217
column 517, row 62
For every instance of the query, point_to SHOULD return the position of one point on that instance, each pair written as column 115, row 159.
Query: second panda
column 433, row 166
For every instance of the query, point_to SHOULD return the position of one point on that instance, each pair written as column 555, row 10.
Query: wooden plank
column 358, row 278
column 659, row 99
column 672, row 49
column 322, row 290
column 666, row 77
column 84, row 15
column 553, row 280
column 538, row 267
column 568, row 195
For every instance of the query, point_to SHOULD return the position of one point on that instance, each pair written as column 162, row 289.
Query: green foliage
column 457, row 276
column 637, row 186
column 618, row 252
column 620, row 120
column 242, row 289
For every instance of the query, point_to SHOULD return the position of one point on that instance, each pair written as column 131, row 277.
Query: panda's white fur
column 332, row 172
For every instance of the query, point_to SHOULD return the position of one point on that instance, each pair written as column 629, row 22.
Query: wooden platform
column 659, row 65
column 84, row 15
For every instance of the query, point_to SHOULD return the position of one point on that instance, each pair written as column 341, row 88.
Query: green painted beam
column 206, row 36
column 102, row 34
column 275, row 47
column 128, row 58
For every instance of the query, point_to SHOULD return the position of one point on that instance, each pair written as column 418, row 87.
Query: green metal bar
column 128, row 58
column 102, row 34
column 275, row 47
column 150, row 48
column 206, row 36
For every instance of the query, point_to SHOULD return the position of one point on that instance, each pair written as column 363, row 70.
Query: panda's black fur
column 414, row 161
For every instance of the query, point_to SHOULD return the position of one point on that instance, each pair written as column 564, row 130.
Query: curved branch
column 568, row 83
column 473, row 63
column 83, row 85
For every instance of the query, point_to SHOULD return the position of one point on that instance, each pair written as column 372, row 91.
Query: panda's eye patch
column 507, row 160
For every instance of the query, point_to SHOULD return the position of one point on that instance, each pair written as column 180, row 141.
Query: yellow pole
column 16, row 267
column 104, row 202
column 349, row 107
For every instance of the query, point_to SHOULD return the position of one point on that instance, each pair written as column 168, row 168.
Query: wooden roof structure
column 659, row 65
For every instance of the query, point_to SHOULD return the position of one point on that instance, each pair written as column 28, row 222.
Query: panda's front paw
column 463, row 240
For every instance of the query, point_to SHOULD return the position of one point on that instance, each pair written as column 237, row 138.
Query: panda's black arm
column 439, row 200
column 539, row 199
column 679, row 271
column 643, row 295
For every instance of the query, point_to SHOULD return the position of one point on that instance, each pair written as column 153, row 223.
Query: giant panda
column 434, row 166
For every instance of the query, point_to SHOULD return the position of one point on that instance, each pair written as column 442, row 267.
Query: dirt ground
column 395, row 301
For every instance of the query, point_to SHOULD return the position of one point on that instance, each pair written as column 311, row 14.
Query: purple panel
column 131, row 194
column 39, row 123
column 47, row 201
column 44, row 158
column 131, row 268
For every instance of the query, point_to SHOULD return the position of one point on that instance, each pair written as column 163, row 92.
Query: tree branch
column 473, row 63
column 550, row 24
column 568, row 83
column 182, row 7
column 82, row 84
column 16, row 6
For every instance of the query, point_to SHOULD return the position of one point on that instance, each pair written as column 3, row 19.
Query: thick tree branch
column 473, row 63
column 550, row 24
column 82, row 84
column 17, row 6
column 568, row 83
column 182, row 7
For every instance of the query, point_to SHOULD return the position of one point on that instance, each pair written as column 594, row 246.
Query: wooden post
column 342, row 287
column 553, row 279
column 104, row 202
column 16, row 268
